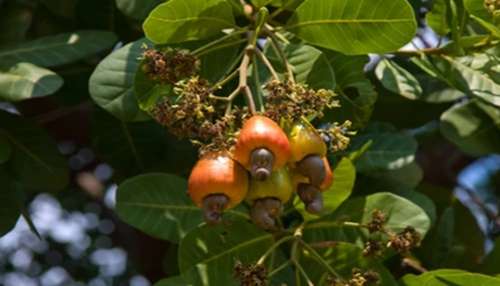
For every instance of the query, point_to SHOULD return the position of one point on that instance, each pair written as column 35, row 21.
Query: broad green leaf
column 343, row 182
column 354, row 27
column 149, row 92
column 172, row 281
column 5, row 149
column 111, row 84
column 397, row 79
column 343, row 258
column 309, row 65
column 9, row 203
column 400, row 213
column 389, row 150
column 137, row 9
column 420, row 200
column 466, row 76
column 437, row 17
column 447, row 277
column 408, row 176
column 158, row 204
column 138, row 147
column 494, row 30
column 490, row 262
column 35, row 161
column 450, row 244
column 356, row 93
column 208, row 254
column 473, row 126
column 58, row 50
column 24, row 81
column 180, row 21
column 477, row 8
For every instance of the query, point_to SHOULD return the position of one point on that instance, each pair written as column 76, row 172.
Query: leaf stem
column 215, row 48
column 273, row 247
column 208, row 46
column 281, row 54
column 227, row 79
column 319, row 258
column 279, row 268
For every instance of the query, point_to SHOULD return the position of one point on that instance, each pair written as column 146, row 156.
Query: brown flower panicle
column 250, row 274
column 169, row 65
column 292, row 101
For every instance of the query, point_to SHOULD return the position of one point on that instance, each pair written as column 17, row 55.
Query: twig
column 243, row 86
column 267, row 63
column 414, row 265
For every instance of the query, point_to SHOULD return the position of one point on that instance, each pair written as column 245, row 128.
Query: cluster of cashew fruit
column 264, row 168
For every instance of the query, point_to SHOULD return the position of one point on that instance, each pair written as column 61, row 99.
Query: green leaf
column 400, row 214
column 490, row 262
column 137, row 9
column 5, row 149
column 473, row 126
column 408, row 176
column 450, row 244
column 494, row 30
column 180, row 20
column 9, row 203
column 35, row 161
column 397, row 79
column 343, row 183
column 356, row 93
column 138, row 147
column 172, row 281
column 437, row 17
column 309, row 65
column 111, row 84
column 354, row 27
column 473, row 75
column 158, row 204
column 24, row 81
column 207, row 254
column 343, row 258
column 389, row 150
column 261, row 3
column 58, row 50
column 478, row 9
column 447, row 277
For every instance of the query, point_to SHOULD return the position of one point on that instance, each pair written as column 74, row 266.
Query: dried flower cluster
column 251, row 274
column 192, row 113
column 336, row 135
column 373, row 248
column 492, row 6
column 405, row 240
column 358, row 278
column 169, row 65
column 377, row 222
column 291, row 101
column 402, row 242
